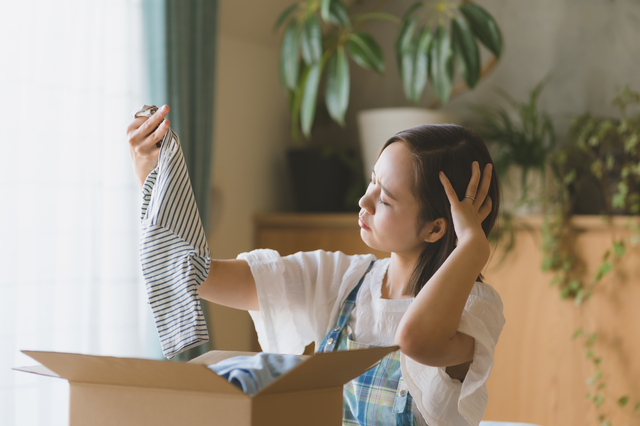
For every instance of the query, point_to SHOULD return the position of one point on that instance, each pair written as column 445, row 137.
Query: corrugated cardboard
column 110, row 391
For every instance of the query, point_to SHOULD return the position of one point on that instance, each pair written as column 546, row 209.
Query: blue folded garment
column 253, row 373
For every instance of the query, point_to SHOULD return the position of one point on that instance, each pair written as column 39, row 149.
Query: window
column 71, row 73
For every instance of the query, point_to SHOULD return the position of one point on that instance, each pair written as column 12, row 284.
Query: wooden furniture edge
column 350, row 221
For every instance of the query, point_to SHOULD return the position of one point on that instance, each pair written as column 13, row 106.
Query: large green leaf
column 311, row 40
column 338, row 14
column 407, row 67
column 421, row 64
column 366, row 52
column 403, row 40
column 289, row 56
column 483, row 26
column 441, row 64
column 337, row 85
column 405, row 51
column 284, row 15
column 325, row 10
column 465, row 50
column 295, row 100
column 309, row 84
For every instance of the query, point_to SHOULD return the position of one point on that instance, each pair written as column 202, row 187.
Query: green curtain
column 180, row 45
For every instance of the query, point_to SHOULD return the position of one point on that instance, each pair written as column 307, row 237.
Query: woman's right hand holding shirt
column 143, row 133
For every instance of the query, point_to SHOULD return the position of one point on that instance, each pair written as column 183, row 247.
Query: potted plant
column 521, row 139
column 435, row 39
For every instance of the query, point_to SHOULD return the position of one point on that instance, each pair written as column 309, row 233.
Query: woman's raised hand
column 469, row 212
column 142, row 134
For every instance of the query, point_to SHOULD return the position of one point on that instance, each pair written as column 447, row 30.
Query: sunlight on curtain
column 71, row 72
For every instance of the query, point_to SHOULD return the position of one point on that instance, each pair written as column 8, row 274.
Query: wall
column 251, row 134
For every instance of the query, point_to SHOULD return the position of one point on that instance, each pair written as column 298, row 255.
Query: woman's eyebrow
column 387, row 193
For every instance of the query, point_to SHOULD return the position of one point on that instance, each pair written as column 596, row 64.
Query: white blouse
column 300, row 297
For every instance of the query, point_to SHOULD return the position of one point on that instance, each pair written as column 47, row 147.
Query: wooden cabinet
column 292, row 232
column 540, row 373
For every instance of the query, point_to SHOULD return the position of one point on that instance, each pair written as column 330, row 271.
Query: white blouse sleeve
column 444, row 401
column 299, row 295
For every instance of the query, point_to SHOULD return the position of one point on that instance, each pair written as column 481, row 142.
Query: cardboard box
column 110, row 391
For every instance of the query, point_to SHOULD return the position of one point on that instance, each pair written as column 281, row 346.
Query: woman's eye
column 382, row 202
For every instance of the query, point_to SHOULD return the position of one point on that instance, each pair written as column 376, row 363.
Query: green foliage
column 606, row 150
column 601, row 149
column 466, row 51
column 597, row 394
column 365, row 52
column 325, row 32
column 428, row 54
column 337, row 85
column 310, row 82
column 483, row 26
column 525, row 141
column 441, row 64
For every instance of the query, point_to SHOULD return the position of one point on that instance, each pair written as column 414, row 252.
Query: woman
column 431, row 203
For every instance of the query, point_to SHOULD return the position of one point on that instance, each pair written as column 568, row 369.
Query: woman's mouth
column 363, row 225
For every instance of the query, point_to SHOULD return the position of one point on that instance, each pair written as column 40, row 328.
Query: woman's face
column 389, row 211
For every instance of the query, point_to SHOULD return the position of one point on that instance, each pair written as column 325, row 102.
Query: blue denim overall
column 380, row 395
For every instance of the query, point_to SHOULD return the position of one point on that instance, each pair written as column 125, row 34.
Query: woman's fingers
column 154, row 121
column 158, row 134
column 484, row 185
column 480, row 194
column 472, row 188
column 145, row 132
column 485, row 209
column 448, row 189
column 135, row 124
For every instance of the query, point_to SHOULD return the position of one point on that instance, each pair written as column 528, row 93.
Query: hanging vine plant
column 606, row 151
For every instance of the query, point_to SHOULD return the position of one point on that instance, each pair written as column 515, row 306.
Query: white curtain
column 71, row 72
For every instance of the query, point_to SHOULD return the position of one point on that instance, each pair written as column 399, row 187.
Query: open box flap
column 327, row 370
column 146, row 373
column 37, row 369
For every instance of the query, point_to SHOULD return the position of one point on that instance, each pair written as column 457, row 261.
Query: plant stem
column 373, row 11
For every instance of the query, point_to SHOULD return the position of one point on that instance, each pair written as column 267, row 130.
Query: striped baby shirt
column 173, row 249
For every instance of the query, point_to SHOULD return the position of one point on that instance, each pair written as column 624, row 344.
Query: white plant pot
column 376, row 126
column 512, row 193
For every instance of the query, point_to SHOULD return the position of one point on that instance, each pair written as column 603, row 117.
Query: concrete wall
column 587, row 46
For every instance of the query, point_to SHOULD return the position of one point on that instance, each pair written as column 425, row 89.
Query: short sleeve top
column 300, row 297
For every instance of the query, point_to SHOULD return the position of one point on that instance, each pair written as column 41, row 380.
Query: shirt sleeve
column 444, row 401
column 300, row 295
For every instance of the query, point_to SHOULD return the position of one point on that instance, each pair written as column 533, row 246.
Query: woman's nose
column 365, row 203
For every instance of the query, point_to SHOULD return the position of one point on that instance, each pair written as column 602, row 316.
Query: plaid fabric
column 379, row 396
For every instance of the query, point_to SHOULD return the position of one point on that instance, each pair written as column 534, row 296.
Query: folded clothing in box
column 253, row 373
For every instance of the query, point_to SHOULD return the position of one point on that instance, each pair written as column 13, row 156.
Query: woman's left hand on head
column 474, row 208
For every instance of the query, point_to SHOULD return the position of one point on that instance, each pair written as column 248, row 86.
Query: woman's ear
column 434, row 230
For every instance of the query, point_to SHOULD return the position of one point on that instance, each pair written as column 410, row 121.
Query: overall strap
column 329, row 341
